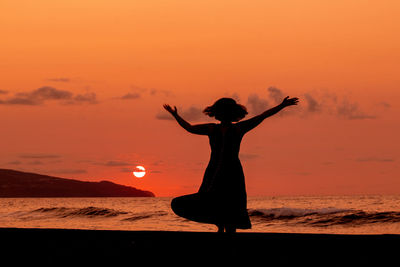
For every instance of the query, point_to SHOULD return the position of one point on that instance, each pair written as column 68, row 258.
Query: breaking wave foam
column 324, row 216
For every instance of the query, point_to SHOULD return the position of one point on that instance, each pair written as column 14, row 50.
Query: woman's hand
column 173, row 111
column 289, row 101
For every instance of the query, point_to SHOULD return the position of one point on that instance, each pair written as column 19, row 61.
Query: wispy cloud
column 130, row 96
column 37, row 97
column 60, row 79
column 47, row 93
column 39, row 156
column 88, row 98
column 15, row 162
column 334, row 104
column 126, row 170
column 19, row 101
column 137, row 92
column 350, row 110
column 155, row 92
column 257, row 104
column 3, row 92
column 384, row 104
column 154, row 171
column 35, row 162
column 375, row 159
column 113, row 163
column 313, row 103
column 163, row 115
column 193, row 113
column 276, row 94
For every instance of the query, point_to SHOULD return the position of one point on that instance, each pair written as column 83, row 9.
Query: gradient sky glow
column 82, row 85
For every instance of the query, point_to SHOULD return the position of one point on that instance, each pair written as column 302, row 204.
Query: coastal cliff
column 24, row 184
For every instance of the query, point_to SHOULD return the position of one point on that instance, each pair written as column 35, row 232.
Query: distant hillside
column 23, row 184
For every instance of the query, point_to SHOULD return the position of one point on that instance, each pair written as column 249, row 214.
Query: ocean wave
column 79, row 212
column 142, row 216
column 324, row 217
column 94, row 212
column 293, row 212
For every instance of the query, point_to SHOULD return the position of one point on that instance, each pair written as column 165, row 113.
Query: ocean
column 362, row 214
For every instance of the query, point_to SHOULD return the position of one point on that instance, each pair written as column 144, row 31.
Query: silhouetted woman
column 222, row 199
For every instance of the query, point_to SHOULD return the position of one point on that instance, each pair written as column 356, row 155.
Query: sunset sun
column 139, row 171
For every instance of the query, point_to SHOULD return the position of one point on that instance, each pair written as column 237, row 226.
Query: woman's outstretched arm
column 202, row 129
column 249, row 124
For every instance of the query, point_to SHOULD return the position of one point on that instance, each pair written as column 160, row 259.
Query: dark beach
column 118, row 248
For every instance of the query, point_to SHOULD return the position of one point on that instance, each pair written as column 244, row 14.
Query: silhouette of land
column 24, row 184
column 130, row 248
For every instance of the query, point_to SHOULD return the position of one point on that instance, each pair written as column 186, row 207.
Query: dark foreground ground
column 59, row 247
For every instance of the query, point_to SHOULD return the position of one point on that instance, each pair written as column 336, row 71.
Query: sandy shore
column 122, row 248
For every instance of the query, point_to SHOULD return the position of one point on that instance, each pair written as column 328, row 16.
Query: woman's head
column 226, row 109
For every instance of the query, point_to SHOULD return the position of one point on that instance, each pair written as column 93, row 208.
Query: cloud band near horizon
column 43, row 94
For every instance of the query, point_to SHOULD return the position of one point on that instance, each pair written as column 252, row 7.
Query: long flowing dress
column 221, row 198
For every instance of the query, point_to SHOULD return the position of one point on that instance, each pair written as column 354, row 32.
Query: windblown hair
column 226, row 109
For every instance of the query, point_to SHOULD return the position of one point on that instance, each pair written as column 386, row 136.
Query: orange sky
column 82, row 85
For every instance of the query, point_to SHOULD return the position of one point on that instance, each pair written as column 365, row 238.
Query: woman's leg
column 193, row 207
column 178, row 206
